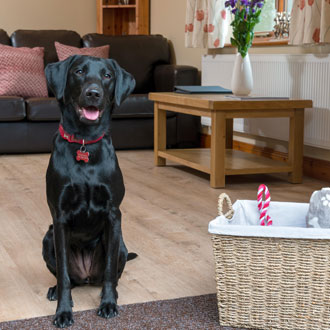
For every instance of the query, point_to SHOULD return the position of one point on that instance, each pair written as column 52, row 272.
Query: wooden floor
column 166, row 212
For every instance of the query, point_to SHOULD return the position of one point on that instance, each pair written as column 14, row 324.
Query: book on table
column 201, row 89
column 256, row 98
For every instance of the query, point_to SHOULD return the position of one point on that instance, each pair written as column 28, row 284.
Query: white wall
column 168, row 18
column 77, row 15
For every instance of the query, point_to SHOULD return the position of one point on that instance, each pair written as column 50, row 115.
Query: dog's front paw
column 107, row 310
column 63, row 319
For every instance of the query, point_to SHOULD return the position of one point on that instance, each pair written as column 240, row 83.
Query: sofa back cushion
column 65, row 51
column 46, row 39
column 4, row 39
column 137, row 54
column 22, row 71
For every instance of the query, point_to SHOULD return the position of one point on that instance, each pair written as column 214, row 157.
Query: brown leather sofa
column 28, row 125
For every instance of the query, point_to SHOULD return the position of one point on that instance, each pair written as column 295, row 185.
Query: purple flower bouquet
column 247, row 14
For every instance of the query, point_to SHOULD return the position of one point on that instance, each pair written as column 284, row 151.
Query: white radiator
column 297, row 76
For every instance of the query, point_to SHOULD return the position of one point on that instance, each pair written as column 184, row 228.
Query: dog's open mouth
column 90, row 113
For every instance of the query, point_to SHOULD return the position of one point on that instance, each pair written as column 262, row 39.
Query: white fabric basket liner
column 289, row 221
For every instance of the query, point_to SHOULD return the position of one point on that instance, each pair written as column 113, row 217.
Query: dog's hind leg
column 48, row 253
column 123, row 256
column 48, row 250
column 52, row 293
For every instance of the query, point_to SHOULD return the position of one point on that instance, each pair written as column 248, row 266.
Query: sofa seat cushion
column 137, row 54
column 136, row 106
column 43, row 109
column 46, row 39
column 12, row 108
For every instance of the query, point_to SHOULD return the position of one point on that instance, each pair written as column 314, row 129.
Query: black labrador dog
column 84, row 183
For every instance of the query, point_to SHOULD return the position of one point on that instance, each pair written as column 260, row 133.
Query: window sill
column 270, row 41
column 267, row 41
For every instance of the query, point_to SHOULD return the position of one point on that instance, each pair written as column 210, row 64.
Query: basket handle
column 224, row 197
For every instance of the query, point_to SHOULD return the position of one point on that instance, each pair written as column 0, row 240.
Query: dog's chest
column 85, row 204
column 83, row 194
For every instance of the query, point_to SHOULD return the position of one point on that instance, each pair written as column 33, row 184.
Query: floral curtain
column 310, row 22
column 207, row 23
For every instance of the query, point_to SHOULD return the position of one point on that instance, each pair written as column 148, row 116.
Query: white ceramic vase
column 242, row 79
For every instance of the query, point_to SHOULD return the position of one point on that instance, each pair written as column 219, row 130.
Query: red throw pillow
column 22, row 71
column 65, row 51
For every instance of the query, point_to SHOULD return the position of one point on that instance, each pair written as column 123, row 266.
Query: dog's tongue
column 91, row 114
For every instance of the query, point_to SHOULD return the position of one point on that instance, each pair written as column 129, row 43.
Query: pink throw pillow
column 22, row 71
column 65, row 51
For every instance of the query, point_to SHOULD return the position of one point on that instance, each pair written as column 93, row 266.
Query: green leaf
column 242, row 13
column 233, row 42
column 243, row 53
column 248, row 38
column 236, row 35
column 242, row 27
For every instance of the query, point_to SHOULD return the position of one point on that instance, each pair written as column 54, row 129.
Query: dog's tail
column 131, row 256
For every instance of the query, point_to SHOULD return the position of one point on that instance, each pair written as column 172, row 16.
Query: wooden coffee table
column 221, row 160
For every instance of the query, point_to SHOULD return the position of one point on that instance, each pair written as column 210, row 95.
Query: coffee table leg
column 296, row 146
column 159, row 134
column 218, row 150
column 229, row 133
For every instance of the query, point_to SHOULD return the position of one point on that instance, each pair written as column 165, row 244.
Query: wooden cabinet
column 119, row 19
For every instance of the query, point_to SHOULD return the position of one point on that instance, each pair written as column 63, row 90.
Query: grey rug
column 199, row 312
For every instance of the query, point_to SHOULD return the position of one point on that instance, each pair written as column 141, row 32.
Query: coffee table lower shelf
column 236, row 162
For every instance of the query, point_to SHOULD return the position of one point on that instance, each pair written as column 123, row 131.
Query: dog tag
column 82, row 155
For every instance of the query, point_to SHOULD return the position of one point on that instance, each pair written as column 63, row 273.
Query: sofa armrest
column 166, row 76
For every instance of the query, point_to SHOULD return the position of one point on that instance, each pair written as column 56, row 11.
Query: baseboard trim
column 312, row 167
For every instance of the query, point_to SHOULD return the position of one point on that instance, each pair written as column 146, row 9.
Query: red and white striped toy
column 265, row 219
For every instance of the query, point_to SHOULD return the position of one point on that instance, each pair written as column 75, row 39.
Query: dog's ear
column 56, row 76
column 125, row 82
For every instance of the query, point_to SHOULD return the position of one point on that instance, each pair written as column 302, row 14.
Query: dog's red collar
column 82, row 153
column 72, row 139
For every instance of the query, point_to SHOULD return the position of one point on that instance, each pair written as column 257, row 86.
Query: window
column 284, row 5
column 269, row 12
column 264, row 35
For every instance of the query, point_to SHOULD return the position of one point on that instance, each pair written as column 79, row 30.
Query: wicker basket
column 272, row 283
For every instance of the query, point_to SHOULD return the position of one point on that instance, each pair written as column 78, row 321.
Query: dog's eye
column 107, row 76
column 79, row 72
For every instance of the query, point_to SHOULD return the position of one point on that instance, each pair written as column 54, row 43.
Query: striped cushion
column 22, row 72
column 64, row 51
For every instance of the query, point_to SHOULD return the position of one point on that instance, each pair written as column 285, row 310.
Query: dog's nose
column 93, row 92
